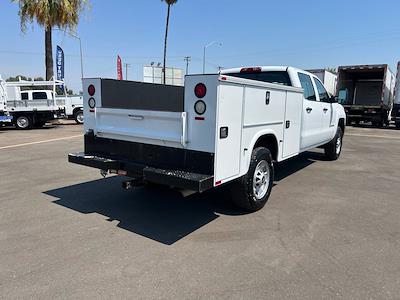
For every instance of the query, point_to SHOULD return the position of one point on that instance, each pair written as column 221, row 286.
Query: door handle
column 308, row 109
column 267, row 97
column 325, row 110
column 136, row 117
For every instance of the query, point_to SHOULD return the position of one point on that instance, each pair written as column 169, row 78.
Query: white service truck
column 223, row 129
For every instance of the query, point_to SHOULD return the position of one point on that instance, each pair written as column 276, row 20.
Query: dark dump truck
column 366, row 92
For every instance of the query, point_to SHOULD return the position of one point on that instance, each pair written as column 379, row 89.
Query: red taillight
column 91, row 90
column 251, row 70
column 200, row 90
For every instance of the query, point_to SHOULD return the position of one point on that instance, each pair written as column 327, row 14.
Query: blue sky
column 305, row 34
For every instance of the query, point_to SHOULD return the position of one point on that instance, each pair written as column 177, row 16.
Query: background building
column 153, row 74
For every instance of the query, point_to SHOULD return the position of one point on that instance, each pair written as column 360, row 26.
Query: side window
column 39, row 95
column 306, row 84
column 24, row 96
column 323, row 94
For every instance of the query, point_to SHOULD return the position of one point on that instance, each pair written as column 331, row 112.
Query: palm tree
column 169, row 3
column 63, row 14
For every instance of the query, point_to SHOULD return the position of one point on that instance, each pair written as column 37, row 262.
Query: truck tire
column 23, row 122
column 334, row 148
column 251, row 192
column 78, row 116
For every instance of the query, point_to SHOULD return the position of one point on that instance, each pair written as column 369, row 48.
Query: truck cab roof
column 284, row 75
column 263, row 69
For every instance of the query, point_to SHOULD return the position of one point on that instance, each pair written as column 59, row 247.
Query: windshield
column 279, row 77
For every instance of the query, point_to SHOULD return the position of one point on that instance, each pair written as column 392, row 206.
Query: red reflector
column 251, row 70
column 91, row 110
column 218, row 182
column 200, row 90
column 91, row 90
column 199, row 118
column 223, row 78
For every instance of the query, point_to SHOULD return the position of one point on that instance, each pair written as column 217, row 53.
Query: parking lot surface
column 329, row 230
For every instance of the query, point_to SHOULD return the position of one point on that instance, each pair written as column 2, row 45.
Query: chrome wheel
column 79, row 117
column 261, row 180
column 338, row 144
column 23, row 122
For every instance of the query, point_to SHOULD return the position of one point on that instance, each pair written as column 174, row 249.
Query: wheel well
column 76, row 109
column 268, row 141
column 342, row 124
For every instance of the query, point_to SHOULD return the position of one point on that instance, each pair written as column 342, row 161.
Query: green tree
column 63, row 14
column 169, row 3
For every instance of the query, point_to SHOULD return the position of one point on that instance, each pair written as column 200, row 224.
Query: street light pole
column 187, row 59
column 127, row 65
column 80, row 46
column 80, row 50
column 204, row 53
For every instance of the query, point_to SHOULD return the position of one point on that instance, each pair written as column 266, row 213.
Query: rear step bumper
column 175, row 178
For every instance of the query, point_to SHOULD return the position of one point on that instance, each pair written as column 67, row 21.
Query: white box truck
column 5, row 117
column 224, row 129
column 396, row 105
column 366, row 92
column 328, row 78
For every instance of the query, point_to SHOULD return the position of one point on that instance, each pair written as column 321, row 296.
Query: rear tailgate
column 135, row 112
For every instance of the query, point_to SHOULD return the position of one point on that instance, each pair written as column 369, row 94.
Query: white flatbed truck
column 34, row 107
column 223, row 129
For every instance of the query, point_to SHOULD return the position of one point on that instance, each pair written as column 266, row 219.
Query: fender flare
column 253, row 142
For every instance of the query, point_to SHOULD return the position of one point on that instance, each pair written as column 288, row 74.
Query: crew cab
column 225, row 129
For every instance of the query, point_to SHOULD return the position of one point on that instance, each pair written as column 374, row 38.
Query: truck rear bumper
column 175, row 178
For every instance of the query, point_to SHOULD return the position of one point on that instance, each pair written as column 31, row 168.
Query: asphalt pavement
column 329, row 230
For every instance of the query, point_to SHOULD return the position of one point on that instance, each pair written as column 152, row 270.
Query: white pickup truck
column 223, row 129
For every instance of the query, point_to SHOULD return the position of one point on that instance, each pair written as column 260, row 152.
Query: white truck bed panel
column 153, row 127
column 30, row 105
column 230, row 116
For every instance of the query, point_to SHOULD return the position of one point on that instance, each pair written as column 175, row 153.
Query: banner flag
column 119, row 68
column 60, row 63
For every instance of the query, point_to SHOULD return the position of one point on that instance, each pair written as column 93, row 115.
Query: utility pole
column 127, row 65
column 187, row 59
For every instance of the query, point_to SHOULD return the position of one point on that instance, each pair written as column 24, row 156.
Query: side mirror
column 333, row 99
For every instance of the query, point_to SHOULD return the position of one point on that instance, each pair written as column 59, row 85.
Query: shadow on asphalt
column 160, row 214
column 47, row 126
column 293, row 165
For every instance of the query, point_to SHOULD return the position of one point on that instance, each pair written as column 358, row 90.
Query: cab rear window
column 279, row 77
